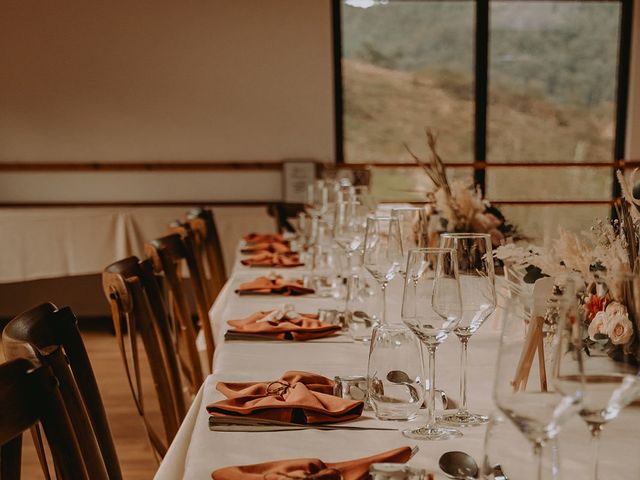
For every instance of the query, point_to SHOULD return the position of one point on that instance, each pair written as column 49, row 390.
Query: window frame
column 481, row 93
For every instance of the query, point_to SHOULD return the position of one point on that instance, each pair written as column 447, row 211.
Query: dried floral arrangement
column 609, row 310
column 460, row 203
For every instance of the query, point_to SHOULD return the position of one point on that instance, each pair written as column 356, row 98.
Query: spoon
column 401, row 378
column 458, row 465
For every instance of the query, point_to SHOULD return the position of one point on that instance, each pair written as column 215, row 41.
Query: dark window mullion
column 622, row 93
column 481, row 90
column 337, row 79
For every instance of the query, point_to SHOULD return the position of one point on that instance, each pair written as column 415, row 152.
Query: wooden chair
column 169, row 254
column 194, row 241
column 202, row 221
column 28, row 395
column 50, row 335
column 136, row 301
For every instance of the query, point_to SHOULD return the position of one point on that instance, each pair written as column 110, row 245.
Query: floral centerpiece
column 600, row 257
column 460, row 203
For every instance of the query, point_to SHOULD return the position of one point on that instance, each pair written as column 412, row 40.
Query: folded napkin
column 300, row 468
column 268, row 259
column 273, row 247
column 283, row 324
column 263, row 238
column 273, row 285
column 297, row 397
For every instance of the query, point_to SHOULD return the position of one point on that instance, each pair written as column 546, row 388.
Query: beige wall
column 163, row 81
column 193, row 80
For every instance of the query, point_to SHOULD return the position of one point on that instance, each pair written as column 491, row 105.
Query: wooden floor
column 136, row 458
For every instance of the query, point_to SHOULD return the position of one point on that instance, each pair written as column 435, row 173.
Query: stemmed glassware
column 349, row 228
column 538, row 376
column 382, row 253
column 317, row 198
column 612, row 365
column 477, row 285
column 414, row 229
column 431, row 308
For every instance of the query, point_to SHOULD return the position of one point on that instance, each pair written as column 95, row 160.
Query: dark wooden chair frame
column 51, row 336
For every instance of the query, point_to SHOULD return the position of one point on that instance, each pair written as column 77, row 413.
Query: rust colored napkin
column 357, row 469
column 274, row 286
column 252, row 238
column 268, row 259
column 273, row 247
column 297, row 397
column 303, row 327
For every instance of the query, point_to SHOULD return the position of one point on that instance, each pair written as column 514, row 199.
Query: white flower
column 619, row 328
column 598, row 324
column 616, row 308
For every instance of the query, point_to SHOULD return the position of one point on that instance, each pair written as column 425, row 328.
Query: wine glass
column 611, row 366
column 477, row 285
column 431, row 308
column 537, row 383
column 349, row 227
column 414, row 229
column 382, row 253
column 317, row 198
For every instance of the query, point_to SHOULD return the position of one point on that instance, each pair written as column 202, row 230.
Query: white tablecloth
column 196, row 451
column 37, row 243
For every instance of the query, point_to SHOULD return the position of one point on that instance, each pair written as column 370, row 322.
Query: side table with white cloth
column 197, row 451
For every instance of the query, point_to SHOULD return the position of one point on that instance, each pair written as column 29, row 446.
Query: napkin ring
column 278, row 387
column 326, row 473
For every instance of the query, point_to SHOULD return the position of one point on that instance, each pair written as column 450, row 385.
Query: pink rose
column 616, row 308
column 598, row 324
column 619, row 329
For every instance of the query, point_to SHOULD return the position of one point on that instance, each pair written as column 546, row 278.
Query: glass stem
column 538, row 450
column 383, row 317
column 463, row 411
column 555, row 458
column 596, row 430
column 431, row 405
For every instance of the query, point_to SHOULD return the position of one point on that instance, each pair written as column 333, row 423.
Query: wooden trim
column 618, row 164
column 273, row 166
column 193, row 203
column 138, row 166
column 267, row 203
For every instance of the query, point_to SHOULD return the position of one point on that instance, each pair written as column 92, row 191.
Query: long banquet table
column 196, row 451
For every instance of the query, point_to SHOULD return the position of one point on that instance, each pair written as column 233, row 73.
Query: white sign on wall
column 296, row 175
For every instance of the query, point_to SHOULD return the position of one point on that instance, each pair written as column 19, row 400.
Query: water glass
column 395, row 377
column 326, row 266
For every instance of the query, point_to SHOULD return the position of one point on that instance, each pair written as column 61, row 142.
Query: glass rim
column 465, row 235
column 381, row 217
column 432, row 250
column 406, row 209
column 392, row 326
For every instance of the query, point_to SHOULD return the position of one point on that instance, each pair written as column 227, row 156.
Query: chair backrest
column 194, row 241
column 29, row 394
column 51, row 336
column 135, row 299
column 203, row 220
column 169, row 254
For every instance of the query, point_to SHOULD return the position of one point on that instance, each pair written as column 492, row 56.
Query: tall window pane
column 553, row 68
column 407, row 65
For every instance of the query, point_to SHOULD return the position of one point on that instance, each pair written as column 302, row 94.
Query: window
column 526, row 97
